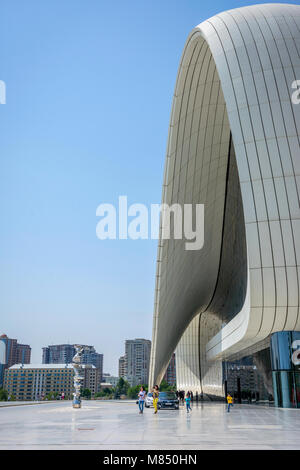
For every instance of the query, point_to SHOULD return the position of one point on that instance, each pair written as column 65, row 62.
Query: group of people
column 181, row 394
column 188, row 398
column 142, row 396
column 155, row 395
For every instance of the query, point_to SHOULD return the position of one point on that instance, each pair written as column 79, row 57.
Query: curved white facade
column 234, row 146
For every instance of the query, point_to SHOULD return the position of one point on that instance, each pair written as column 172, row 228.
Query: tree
column 105, row 393
column 133, row 391
column 122, row 387
column 165, row 387
column 52, row 395
column 86, row 393
column 3, row 394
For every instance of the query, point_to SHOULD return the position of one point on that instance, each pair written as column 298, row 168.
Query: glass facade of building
column 285, row 357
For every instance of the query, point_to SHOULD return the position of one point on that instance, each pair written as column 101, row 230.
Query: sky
column 89, row 87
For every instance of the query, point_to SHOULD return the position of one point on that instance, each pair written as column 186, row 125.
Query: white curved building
column 234, row 146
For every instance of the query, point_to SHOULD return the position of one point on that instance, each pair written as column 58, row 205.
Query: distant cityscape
column 53, row 377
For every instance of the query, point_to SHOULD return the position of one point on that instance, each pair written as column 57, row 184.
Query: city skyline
column 43, row 359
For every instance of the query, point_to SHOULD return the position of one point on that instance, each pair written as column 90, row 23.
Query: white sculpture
column 79, row 376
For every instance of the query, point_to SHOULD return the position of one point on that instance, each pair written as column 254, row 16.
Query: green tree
column 121, row 388
column 165, row 387
column 3, row 394
column 86, row 393
column 105, row 393
column 133, row 391
column 52, row 395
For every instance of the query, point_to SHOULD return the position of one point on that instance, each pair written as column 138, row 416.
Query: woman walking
column 141, row 396
column 155, row 394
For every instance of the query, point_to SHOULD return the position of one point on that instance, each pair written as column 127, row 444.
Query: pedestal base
column 76, row 403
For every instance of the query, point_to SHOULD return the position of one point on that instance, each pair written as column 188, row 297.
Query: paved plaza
column 117, row 425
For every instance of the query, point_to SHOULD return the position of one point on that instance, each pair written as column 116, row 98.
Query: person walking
column 155, row 394
column 188, row 402
column 141, row 396
column 229, row 401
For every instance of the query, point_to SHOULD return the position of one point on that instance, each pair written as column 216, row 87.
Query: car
column 168, row 400
column 149, row 400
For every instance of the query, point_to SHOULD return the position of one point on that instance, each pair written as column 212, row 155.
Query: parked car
column 168, row 400
column 149, row 400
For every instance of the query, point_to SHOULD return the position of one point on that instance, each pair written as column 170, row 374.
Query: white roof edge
column 49, row 366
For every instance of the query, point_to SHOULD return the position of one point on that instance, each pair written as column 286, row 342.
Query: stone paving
column 117, row 425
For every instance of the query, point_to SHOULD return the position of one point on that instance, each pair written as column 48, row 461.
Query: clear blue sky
column 89, row 91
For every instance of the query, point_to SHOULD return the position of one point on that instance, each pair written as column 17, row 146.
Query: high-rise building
column 58, row 354
column 2, row 361
column 64, row 353
column 122, row 366
column 92, row 378
column 45, row 355
column 137, row 360
column 12, row 352
column 170, row 375
column 90, row 356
